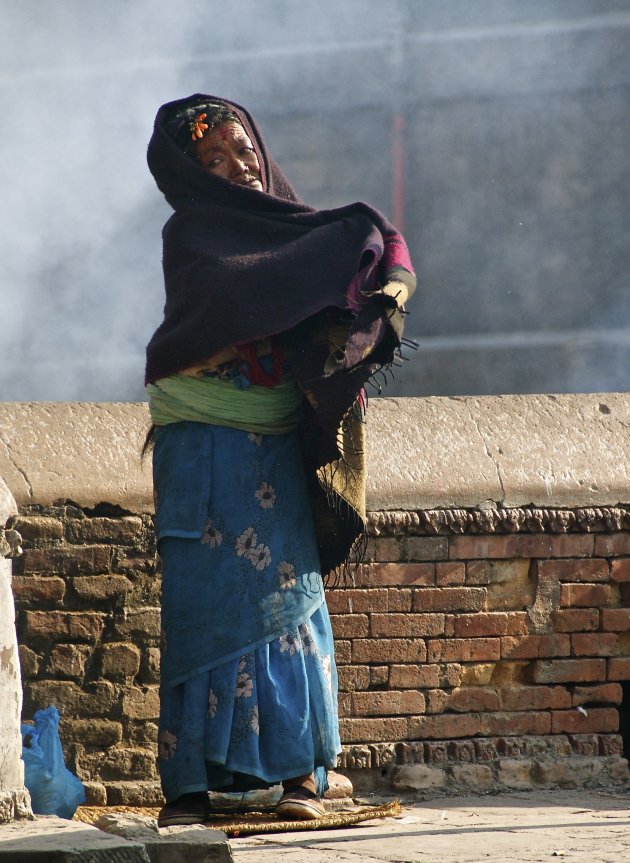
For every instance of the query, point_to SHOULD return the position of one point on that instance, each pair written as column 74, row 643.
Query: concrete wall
column 484, row 643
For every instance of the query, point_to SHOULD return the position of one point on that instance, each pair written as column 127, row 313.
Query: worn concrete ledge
column 548, row 450
column 423, row 453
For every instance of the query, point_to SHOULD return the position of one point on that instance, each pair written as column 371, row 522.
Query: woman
column 276, row 315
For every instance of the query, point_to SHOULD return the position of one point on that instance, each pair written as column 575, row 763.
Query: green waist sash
column 263, row 410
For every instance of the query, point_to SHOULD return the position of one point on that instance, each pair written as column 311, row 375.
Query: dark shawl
column 241, row 265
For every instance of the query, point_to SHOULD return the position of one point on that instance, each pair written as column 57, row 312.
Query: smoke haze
column 516, row 172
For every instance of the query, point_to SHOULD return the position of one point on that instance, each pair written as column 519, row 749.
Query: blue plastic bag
column 53, row 788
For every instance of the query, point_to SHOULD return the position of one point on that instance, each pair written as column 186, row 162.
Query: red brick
column 419, row 676
column 497, row 571
column 91, row 699
column 443, row 727
column 352, row 677
column 612, row 544
column 62, row 625
column 620, row 570
column 424, row 548
column 141, row 703
column 575, row 570
column 450, row 599
column 385, row 549
column 349, row 625
column 394, row 650
column 587, row 595
column 404, row 574
column 122, row 531
column 120, row 661
column 594, row 644
column 29, row 662
column 344, row 704
column 96, row 588
column 521, row 545
column 436, row 700
column 463, row 649
column 67, row 561
column 615, row 619
column 343, row 652
column 379, row 675
column 140, row 621
column 603, row 719
column 406, row 625
column 450, row 573
column 491, row 623
column 38, row 527
column 619, row 668
column 535, row 646
column 472, row 699
column 399, row 599
column 33, row 588
column 351, row 601
column 604, row 693
column 92, row 732
column 510, row 724
column 568, row 670
column 373, row 730
column 575, row 619
column 68, row 660
column 534, row 697
column 391, row 703
column 117, row 764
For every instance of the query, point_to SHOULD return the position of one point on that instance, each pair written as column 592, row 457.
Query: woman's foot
column 191, row 808
column 300, row 802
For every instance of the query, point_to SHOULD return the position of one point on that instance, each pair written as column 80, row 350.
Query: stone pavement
column 527, row 827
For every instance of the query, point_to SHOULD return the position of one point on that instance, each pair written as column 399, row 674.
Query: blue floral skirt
column 249, row 685
column 268, row 716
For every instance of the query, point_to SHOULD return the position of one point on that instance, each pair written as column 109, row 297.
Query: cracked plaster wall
column 422, row 453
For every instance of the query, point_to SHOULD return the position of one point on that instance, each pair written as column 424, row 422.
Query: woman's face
column 228, row 153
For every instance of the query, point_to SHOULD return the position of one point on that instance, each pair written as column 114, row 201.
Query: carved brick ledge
column 441, row 522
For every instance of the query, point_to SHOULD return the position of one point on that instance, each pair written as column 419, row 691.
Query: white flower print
column 211, row 536
column 246, row 542
column 213, row 703
column 244, row 685
column 260, row 556
column 254, row 721
column 167, row 744
column 326, row 668
column 255, row 438
column 289, row 644
column 286, row 575
column 242, row 663
column 308, row 644
column 266, row 495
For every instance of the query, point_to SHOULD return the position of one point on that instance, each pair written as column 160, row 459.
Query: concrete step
column 120, row 839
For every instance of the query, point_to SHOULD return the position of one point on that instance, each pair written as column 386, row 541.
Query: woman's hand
column 398, row 290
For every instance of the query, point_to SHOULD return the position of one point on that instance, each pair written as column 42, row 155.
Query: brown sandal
column 300, row 804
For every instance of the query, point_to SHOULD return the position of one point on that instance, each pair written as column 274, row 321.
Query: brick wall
column 476, row 648
column 87, row 595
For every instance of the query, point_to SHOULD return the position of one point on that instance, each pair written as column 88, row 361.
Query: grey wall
column 516, row 173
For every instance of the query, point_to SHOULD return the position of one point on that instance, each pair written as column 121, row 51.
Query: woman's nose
column 238, row 166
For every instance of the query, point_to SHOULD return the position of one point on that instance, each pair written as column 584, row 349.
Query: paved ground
column 589, row 826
